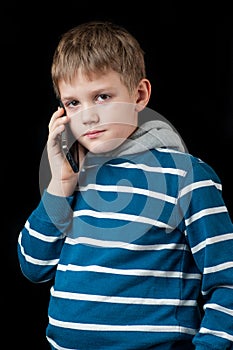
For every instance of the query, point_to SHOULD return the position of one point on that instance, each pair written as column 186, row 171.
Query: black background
column 189, row 57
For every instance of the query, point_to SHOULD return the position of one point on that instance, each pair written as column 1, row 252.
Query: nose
column 89, row 115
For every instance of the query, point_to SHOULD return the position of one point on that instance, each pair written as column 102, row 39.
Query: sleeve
column 41, row 240
column 209, row 231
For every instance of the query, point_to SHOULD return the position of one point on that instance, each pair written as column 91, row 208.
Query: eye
column 72, row 103
column 102, row 97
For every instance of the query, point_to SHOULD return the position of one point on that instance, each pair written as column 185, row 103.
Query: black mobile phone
column 70, row 146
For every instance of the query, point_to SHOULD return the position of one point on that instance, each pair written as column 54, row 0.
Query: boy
column 135, row 237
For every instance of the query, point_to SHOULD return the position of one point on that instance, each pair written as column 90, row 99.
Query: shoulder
column 188, row 163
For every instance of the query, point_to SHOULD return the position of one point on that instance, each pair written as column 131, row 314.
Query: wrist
column 62, row 188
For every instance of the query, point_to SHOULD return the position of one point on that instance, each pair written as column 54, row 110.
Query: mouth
column 91, row 134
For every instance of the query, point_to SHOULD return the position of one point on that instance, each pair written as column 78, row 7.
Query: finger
column 57, row 117
column 57, row 120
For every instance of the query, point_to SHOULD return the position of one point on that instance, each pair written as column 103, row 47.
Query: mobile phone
column 70, row 146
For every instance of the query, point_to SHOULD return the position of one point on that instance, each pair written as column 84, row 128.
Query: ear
column 143, row 94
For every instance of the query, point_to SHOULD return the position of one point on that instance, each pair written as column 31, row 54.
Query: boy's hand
column 63, row 179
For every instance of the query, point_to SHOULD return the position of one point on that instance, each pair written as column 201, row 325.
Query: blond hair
column 96, row 47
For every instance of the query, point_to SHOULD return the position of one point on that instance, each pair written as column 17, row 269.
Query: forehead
column 82, row 82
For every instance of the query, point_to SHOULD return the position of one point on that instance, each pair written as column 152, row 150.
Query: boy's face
column 103, row 112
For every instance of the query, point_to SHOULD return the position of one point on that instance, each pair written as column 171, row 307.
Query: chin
column 106, row 146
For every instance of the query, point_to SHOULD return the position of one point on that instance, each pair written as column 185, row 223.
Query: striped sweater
column 142, row 237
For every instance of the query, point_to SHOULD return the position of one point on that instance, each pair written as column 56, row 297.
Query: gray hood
column 151, row 134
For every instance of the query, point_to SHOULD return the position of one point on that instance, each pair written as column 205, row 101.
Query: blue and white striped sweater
column 146, row 234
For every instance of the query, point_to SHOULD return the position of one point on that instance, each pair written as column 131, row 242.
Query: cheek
column 124, row 130
column 118, row 112
column 76, row 127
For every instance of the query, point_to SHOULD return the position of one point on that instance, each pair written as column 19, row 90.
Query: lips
column 94, row 133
